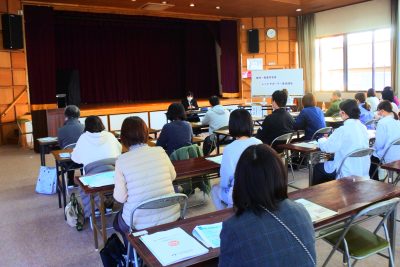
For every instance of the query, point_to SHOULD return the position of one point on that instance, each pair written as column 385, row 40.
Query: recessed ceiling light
column 133, row 0
column 192, row 5
column 218, row 7
column 164, row 2
column 298, row 10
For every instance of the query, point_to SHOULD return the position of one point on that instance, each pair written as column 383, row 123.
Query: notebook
column 98, row 180
column 208, row 234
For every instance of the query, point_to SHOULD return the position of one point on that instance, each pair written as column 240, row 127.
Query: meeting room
column 199, row 133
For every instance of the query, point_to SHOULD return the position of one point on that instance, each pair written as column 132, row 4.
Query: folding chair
column 382, row 161
column 358, row 153
column 285, row 139
column 156, row 203
column 372, row 122
column 356, row 242
column 322, row 131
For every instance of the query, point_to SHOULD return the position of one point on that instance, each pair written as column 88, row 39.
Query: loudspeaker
column 252, row 41
column 12, row 31
column 67, row 82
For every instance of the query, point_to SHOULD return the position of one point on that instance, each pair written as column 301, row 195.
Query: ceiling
column 228, row 8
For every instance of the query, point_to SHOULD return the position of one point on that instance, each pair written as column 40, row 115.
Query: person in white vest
column 142, row 173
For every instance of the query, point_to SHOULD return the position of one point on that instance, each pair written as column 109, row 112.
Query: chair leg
column 128, row 256
column 136, row 258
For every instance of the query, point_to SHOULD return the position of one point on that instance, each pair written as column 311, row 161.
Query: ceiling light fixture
column 192, row 5
column 164, row 2
column 298, row 10
column 133, row 0
column 218, row 7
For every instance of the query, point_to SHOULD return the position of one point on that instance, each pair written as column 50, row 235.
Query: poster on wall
column 265, row 82
column 254, row 64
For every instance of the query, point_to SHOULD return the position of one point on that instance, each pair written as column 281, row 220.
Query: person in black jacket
column 189, row 103
column 279, row 122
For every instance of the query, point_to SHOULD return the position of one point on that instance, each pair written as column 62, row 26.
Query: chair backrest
column 99, row 166
column 162, row 202
column 187, row 152
column 371, row 122
column 394, row 143
column 70, row 146
column 336, row 115
column 358, row 153
column 284, row 138
column 325, row 130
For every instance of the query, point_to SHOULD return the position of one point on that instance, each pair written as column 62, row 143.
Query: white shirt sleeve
column 332, row 143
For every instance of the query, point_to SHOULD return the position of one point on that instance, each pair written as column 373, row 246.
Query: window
column 353, row 62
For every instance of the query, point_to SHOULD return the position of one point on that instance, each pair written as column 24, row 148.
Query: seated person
column 372, row 100
column 290, row 100
column 335, row 101
column 189, row 103
column 365, row 109
column 241, row 128
column 311, row 118
column 70, row 133
column 279, row 122
column 95, row 143
column 142, row 173
column 254, row 236
column 345, row 139
column 72, row 129
column 178, row 133
column 387, row 131
column 216, row 117
column 387, row 94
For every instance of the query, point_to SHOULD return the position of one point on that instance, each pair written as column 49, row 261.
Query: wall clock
column 271, row 33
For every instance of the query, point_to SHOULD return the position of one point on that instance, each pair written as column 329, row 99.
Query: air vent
column 156, row 6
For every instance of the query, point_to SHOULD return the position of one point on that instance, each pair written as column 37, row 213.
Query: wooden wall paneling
column 270, row 22
column 246, row 23
column 292, row 34
column 271, row 59
column 243, row 46
column 1, row 41
column 245, row 57
column 261, row 47
column 282, row 22
column 283, row 34
column 292, row 22
column 283, row 46
column 271, row 46
column 293, row 46
column 21, row 109
column 9, row 117
column 6, row 95
column 18, row 60
column 3, row 6
column 19, row 77
column 5, row 77
column 9, row 133
column 14, row 6
column 258, row 23
column 283, row 59
column 5, row 59
column 261, row 34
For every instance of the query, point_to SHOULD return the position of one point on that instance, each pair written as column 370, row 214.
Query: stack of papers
column 216, row 159
column 307, row 145
column 47, row 139
column 317, row 212
column 208, row 234
column 98, row 180
column 173, row 246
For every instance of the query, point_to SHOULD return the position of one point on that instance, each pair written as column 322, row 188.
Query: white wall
column 355, row 18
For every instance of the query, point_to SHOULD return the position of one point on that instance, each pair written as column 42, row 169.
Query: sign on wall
column 254, row 64
column 265, row 82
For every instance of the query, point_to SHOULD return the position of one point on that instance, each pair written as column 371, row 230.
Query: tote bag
column 47, row 180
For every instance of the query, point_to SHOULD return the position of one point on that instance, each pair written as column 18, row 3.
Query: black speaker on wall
column 67, row 82
column 252, row 41
column 12, row 31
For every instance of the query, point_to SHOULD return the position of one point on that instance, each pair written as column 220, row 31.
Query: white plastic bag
column 47, row 180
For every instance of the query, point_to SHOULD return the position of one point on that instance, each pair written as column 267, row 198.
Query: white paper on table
column 173, row 246
column 47, row 139
column 216, row 159
column 98, row 180
column 65, row 155
column 317, row 212
column 307, row 145
column 371, row 134
column 208, row 234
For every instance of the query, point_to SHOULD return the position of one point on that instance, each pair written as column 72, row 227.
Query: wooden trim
column 43, row 106
column 125, row 11
column 231, row 95
column 14, row 102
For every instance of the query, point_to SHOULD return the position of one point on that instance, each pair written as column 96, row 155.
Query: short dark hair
column 371, row 92
column 350, row 107
column 93, row 124
column 308, row 100
column 337, row 93
column 387, row 94
column 280, row 98
column 189, row 93
column 387, row 106
column 240, row 123
column 72, row 112
column 176, row 111
column 260, row 180
column 214, row 100
column 134, row 131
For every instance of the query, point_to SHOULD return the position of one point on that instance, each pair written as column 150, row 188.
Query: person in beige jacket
column 142, row 173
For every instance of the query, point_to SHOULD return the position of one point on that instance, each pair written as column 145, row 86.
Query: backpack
column 47, row 180
column 112, row 255
column 74, row 213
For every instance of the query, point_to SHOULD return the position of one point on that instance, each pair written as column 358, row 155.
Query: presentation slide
column 265, row 82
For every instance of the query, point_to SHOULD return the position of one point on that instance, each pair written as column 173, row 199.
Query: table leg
column 64, row 187
column 94, row 225
column 392, row 233
column 103, row 218
column 42, row 155
column 58, row 184
column 218, row 144
column 311, row 157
